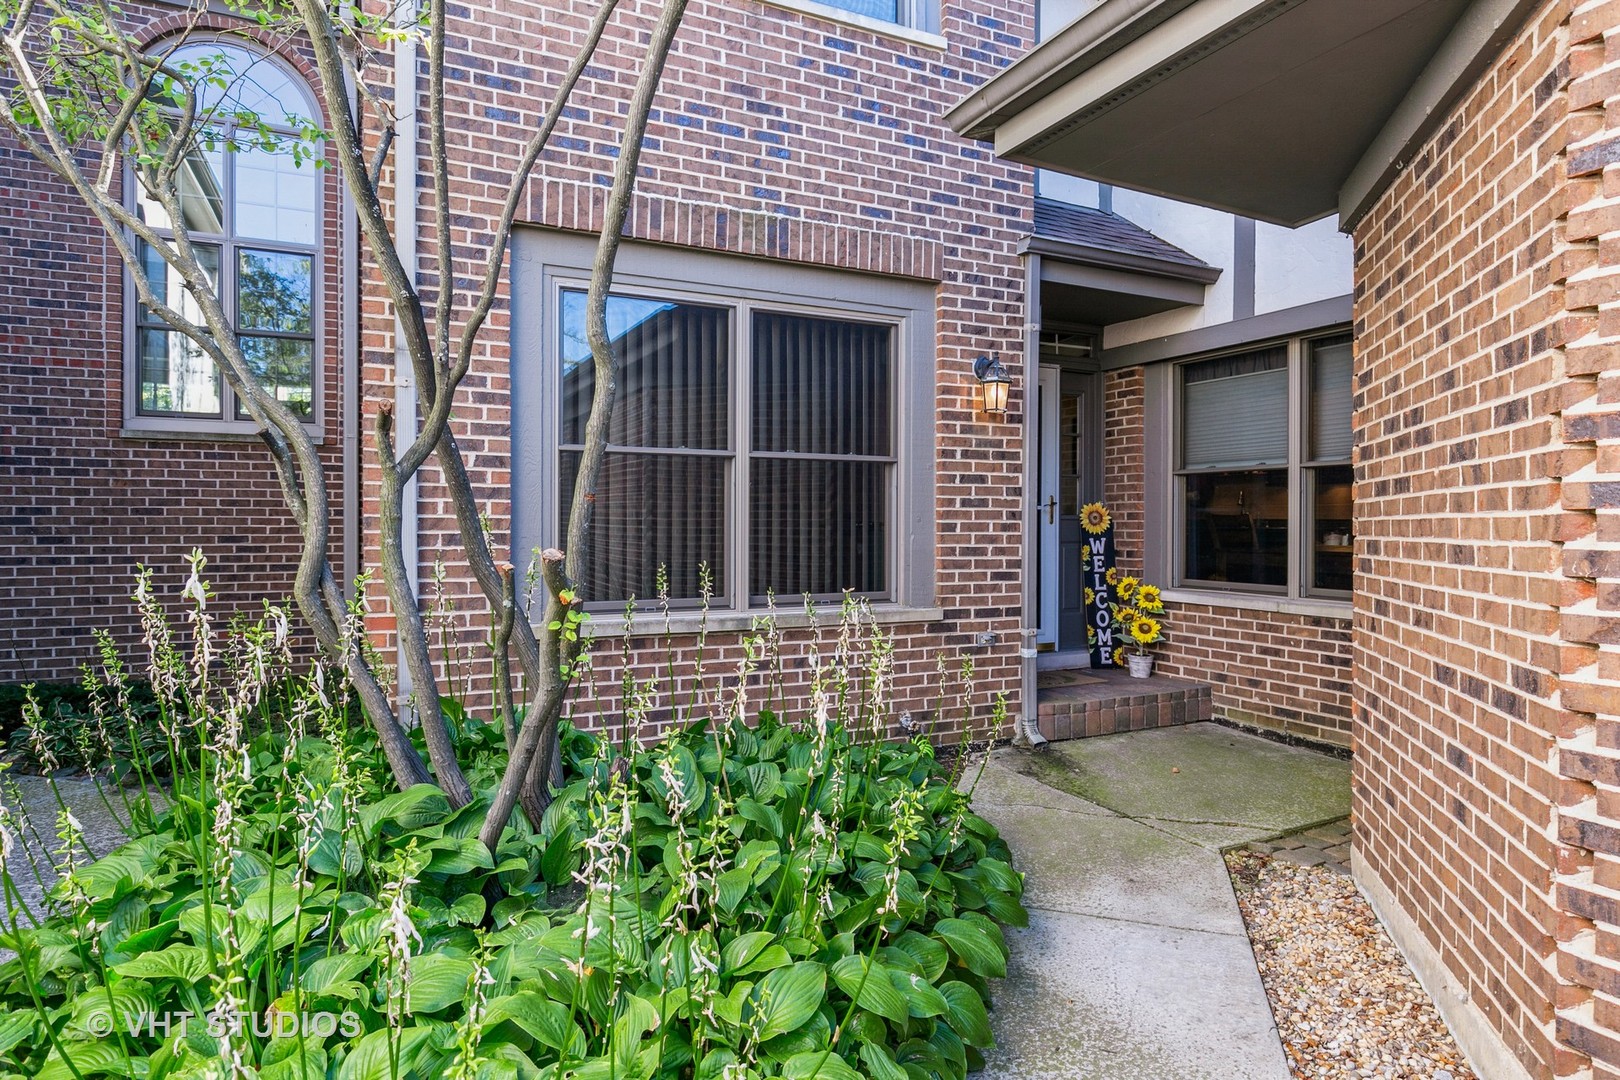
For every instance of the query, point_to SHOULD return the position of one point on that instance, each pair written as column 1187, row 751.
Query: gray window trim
column 1165, row 502
column 544, row 262
column 137, row 424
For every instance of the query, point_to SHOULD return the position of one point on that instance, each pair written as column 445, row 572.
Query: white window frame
column 545, row 264
column 919, row 20
column 1168, row 482
column 138, row 423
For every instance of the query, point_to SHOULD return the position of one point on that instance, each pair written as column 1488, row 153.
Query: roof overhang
column 1281, row 110
column 1093, row 286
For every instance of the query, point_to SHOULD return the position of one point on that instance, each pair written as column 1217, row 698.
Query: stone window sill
column 604, row 624
column 1286, row 605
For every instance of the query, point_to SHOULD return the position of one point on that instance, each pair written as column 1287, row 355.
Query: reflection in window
column 819, row 422
column 661, row 498
column 252, row 212
column 1266, row 501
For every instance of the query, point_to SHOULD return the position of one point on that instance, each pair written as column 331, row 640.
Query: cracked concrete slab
column 1136, row 962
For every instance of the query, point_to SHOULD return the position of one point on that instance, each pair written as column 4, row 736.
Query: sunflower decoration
column 1119, row 656
column 1094, row 518
column 1112, row 576
column 1091, row 596
column 1144, row 630
column 1149, row 600
column 1091, row 635
column 1127, row 588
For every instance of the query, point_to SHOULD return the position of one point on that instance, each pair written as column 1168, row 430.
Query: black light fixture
column 994, row 377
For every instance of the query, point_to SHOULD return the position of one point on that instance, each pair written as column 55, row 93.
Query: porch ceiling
column 1264, row 108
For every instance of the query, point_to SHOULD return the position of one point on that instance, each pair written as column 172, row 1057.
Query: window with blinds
column 737, row 434
column 1264, row 473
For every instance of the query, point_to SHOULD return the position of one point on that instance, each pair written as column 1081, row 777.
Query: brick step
column 1110, row 701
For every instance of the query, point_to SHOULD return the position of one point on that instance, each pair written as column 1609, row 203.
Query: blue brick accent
column 840, row 44
column 878, row 212
column 841, row 72
column 727, row 129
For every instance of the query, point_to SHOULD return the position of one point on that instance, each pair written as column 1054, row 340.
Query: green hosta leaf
column 89, row 1058
column 328, row 972
column 819, row 1065
column 547, row 1022
column 468, row 909
column 868, row 985
column 437, row 982
column 284, row 1059
column 743, row 949
column 561, row 857
column 813, row 1035
column 1001, row 876
column 787, row 997
column 879, row 1065
column 731, row 887
column 413, row 808
column 143, row 941
column 966, row 1014
column 973, row 946
column 458, row 855
column 1005, row 909
column 773, row 956
column 371, row 1060
column 922, row 997
column 17, row 1026
column 183, row 963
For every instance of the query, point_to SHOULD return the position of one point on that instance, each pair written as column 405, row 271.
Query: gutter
column 406, row 230
column 1089, row 40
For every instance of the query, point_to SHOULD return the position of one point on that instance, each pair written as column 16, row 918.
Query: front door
column 1065, row 465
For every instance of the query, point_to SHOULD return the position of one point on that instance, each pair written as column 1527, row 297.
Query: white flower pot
column 1141, row 666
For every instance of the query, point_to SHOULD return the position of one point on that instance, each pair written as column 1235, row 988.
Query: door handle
column 1051, row 508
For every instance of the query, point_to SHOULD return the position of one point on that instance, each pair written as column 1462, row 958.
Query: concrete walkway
column 1136, row 964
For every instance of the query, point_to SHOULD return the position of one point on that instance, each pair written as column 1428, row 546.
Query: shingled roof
column 1086, row 227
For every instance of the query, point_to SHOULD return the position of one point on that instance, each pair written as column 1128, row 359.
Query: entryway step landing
column 1077, row 703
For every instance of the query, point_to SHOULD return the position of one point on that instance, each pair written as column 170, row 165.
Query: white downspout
column 1028, row 733
column 406, row 104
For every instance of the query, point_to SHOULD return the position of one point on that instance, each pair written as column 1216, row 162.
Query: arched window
column 253, row 213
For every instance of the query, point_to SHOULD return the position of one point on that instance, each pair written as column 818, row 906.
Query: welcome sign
column 1097, row 546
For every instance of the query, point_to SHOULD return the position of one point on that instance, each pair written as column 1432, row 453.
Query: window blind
column 1240, row 420
column 1331, row 402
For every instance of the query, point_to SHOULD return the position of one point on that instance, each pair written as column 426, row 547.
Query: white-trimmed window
column 918, row 18
column 253, row 214
column 1262, row 475
column 773, row 425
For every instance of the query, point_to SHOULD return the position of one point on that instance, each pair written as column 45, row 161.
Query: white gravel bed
column 1345, row 1002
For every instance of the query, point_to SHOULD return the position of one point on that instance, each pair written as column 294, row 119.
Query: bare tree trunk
column 524, row 775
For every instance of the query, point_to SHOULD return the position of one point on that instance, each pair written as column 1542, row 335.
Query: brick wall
column 1461, row 374
column 83, row 503
column 1284, row 672
column 781, row 135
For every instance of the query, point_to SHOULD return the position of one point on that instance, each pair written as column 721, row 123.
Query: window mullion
column 1296, row 474
column 737, row 502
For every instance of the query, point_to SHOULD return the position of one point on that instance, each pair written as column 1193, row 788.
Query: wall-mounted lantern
column 994, row 378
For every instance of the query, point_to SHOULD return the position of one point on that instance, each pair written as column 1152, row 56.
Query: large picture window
column 755, row 442
column 253, row 215
column 1264, row 475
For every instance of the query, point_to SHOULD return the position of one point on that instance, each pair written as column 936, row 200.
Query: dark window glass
column 821, row 386
column 652, row 510
column 285, row 367
column 174, row 376
column 818, row 527
column 1330, row 494
column 822, row 427
column 1237, row 527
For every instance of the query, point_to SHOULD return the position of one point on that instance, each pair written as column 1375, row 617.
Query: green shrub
column 735, row 901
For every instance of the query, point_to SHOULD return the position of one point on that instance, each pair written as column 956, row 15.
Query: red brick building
column 1472, row 152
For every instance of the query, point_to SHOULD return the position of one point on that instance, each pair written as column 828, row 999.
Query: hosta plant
column 745, row 897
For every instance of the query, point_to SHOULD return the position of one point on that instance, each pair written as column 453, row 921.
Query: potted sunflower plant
column 1139, row 614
